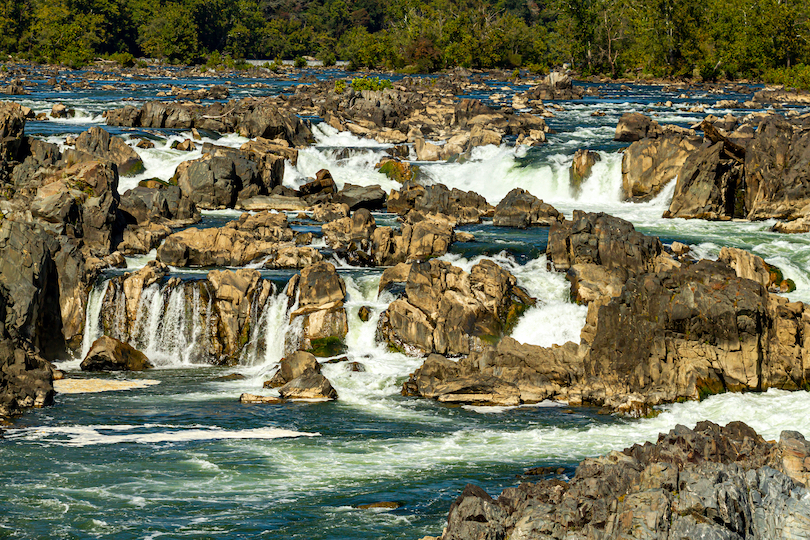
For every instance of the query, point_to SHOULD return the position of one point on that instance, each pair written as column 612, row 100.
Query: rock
column 30, row 281
column 710, row 482
column 580, row 170
column 236, row 244
column 356, row 231
column 232, row 293
column 445, row 310
column 464, row 206
column 60, row 111
column 326, row 213
column 224, row 175
column 269, row 400
column 709, row 187
column 108, row 354
column 364, row 313
column 521, row 209
column 420, row 238
column 635, row 126
column 272, row 202
column 650, row 164
column 186, row 145
column 356, row 197
column 100, row 144
column 399, row 171
column 26, row 380
column 162, row 204
column 308, row 386
column 293, row 366
column 777, row 165
column 383, row 505
column 321, row 294
column 323, row 183
column 601, row 239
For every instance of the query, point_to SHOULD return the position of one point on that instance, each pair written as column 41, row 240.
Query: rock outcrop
column 447, row 311
column 250, row 117
column 299, row 377
column 651, row 163
column 706, row 482
column 109, row 354
column 223, row 176
column 320, row 294
column 463, row 206
column 248, row 239
column 100, row 144
column 521, row 209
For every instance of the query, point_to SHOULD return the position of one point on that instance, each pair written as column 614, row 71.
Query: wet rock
column 445, row 310
column 26, row 380
column 364, row 313
column 268, row 400
column 321, row 294
column 521, row 209
column 651, row 163
column 309, row 386
column 100, row 144
column 383, row 505
column 108, row 354
column 581, row 167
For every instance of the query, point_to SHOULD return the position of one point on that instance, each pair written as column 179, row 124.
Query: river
column 182, row 458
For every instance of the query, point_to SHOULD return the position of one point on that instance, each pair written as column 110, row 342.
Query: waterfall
column 92, row 317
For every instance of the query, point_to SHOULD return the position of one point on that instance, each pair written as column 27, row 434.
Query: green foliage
column 328, row 346
column 646, row 38
column 794, row 77
column 124, row 59
column 300, row 62
column 340, row 86
column 370, row 83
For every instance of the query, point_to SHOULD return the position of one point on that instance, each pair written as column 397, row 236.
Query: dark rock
column 100, row 144
column 356, row 197
column 364, row 313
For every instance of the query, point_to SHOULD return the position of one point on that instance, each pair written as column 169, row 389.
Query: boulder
column 463, row 206
column 356, row 197
column 591, row 238
column 320, row 294
column 350, row 233
column 100, row 144
column 446, row 311
column 222, row 176
column 421, row 237
column 162, row 203
column 109, row 354
column 26, row 380
column 635, row 126
column 650, row 164
column 581, row 167
column 521, row 209
column 322, row 184
column 777, row 166
column 309, row 386
column 238, row 243
column 709, row 186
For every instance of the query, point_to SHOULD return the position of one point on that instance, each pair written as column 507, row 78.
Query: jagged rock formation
column 445, row 310
column 320, row 294
column 710, row 482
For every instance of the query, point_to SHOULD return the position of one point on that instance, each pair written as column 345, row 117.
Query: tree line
column 648, row 38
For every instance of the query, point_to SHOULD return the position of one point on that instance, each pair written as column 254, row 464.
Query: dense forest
column 648, row 38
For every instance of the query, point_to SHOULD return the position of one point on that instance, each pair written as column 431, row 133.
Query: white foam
column 79, row 436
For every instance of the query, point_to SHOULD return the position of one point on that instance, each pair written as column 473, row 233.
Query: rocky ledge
column 660, row 327
column 710, row 482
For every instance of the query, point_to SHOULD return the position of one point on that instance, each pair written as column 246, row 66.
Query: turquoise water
column 184, row 459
